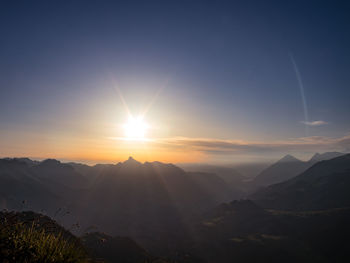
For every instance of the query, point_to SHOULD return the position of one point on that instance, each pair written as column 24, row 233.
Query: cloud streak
column 304, row 144
column 314, row 123
column 230, row 150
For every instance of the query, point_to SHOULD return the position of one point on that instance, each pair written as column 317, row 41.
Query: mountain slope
column 282, row 170
column 20, row 189
column 32, row 237
column 325, row 185
column 317, row 157
column 150, row 202
column 110, row 249
column 289, row 167
column 219, row 189
column 229, row 175
column 55, row 173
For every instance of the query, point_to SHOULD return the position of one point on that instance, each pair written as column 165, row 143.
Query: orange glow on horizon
column 92, row 150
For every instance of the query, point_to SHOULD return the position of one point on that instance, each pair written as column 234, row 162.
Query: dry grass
column 26, row 242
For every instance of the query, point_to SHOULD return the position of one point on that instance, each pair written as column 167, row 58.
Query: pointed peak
column 289, row 158
column 131, row 160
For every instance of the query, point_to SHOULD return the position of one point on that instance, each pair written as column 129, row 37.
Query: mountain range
column 289, row 167
column 140, row 200
column 324, row 185
column 174, row 213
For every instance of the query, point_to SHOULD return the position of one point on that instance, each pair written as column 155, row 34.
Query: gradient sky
column 223, row 81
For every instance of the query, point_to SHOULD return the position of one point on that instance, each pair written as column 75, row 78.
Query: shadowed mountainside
column 19, row 185
column 229, row 175
column 151, row 202
column 325, row 185
column 289, row 167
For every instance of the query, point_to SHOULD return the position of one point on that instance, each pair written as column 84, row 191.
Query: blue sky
column 219, row 70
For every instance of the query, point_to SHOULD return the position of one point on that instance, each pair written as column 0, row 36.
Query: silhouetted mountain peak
column 131, row 160
column 282, row 170
column 288, row 158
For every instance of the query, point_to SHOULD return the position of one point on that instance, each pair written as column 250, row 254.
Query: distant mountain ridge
column 99, row 247
column 19, row 187
column 317, row 157
column 230, row 176
column 289, row 167
column 324, row 185
column 140, row 200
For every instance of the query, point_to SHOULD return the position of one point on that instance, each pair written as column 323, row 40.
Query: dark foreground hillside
column 29, row 237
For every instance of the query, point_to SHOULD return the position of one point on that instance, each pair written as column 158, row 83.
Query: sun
column 135, row 128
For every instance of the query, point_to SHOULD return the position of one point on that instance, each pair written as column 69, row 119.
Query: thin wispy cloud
column 240, row 147
column 315, row 123
column 314, row 143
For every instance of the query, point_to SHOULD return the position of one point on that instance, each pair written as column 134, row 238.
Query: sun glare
column 135, row 128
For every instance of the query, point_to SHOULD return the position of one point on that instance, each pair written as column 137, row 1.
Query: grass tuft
column 28, row 244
